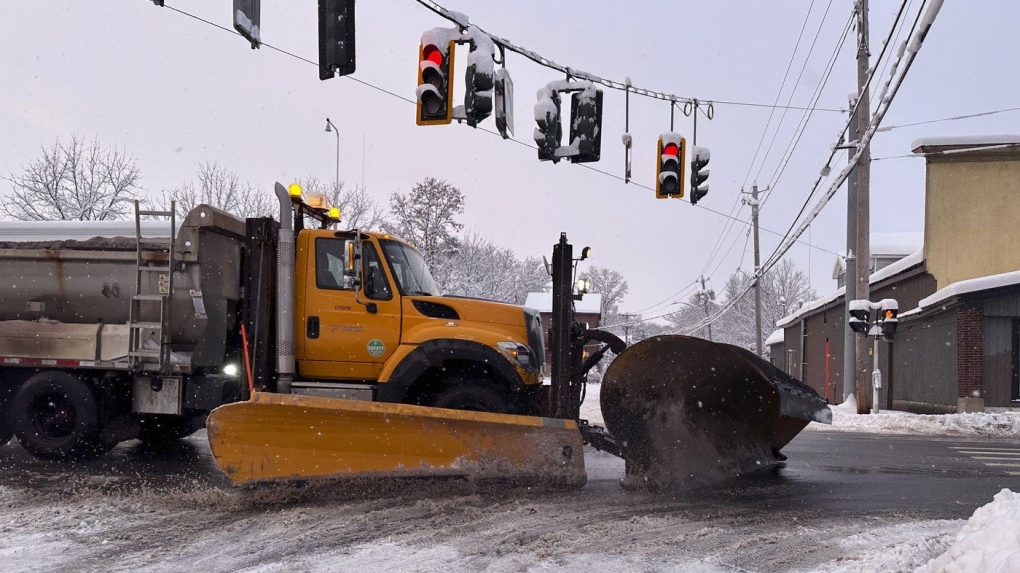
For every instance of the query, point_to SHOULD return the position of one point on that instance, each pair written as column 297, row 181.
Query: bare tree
column 358, row 209
column 74, row 182
column 693, row 312
column 427, row 217
column 781, row 289
column 610, row 284
column 217, row 186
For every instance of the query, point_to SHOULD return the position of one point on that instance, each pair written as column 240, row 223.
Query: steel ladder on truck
column 139, row 356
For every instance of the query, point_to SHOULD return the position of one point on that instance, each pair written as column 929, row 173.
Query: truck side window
column 330, row 264
column 376, row 285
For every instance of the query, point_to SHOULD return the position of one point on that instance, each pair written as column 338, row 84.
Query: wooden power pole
column 863, row 170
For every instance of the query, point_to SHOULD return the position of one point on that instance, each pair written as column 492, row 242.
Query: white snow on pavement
column 984, row 424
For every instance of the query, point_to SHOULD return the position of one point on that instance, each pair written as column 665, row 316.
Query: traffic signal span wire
column 581, row 75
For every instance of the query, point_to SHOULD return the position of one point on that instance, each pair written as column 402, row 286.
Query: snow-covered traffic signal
column 699, row 174
column 479, row 79
column 435, row 85
column 669, row 171
column 889, row 309
column 860, row 316
column 586, row 124
column 336, row 38
column 549, row 131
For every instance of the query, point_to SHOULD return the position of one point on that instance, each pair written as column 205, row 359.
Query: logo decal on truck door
column 376, row 347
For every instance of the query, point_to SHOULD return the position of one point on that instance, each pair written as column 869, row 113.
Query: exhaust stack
column 285, row 293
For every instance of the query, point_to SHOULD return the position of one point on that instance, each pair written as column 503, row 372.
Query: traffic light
column 435, row 85
column 888, row 312
column 699, row 174
column 586, row 124
column 479, row 80
column 669, row 171
column 247, row 18
column 504, row 103
column 549, row 131
column 336, row 38
column 860, row 316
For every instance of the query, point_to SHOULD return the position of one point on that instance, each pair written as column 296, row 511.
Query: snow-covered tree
column 217, row 186
column 76, row 181
column 483, row 269
column 610, row 284
column 358, row 209
column 427, row 217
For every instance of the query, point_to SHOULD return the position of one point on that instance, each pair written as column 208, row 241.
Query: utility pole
column 850, row 276
column 627, row 317
column 757, row 266
column 705, row 297
column 863, row 251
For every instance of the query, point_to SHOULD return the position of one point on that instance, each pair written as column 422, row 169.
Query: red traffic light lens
column 671, row 149
column 432, row 54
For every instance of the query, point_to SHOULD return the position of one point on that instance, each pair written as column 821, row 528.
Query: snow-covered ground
column 55, row 518
column 991, row 425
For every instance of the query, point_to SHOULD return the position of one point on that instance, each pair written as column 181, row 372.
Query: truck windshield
column 409, row 268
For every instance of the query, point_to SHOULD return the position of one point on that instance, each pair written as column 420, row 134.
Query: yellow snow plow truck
column 315, row 353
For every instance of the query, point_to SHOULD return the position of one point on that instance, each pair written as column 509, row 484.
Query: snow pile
column 893, row 548
column 992, row 425
column 990, row 542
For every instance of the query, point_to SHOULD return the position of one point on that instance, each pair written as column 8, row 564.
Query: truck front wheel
column 55, row 417
column 473, row 397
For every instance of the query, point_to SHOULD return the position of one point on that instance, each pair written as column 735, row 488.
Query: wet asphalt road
column 841, row 473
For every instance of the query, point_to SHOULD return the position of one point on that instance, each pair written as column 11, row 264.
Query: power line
column 909, row 48
column 796, row 83
column 954, row 118
column 779, row 93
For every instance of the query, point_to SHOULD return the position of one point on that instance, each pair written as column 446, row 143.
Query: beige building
column 972, row 196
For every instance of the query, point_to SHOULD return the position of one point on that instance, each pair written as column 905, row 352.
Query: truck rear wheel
column 473, row 397
column 6, row 431
column 55, row 417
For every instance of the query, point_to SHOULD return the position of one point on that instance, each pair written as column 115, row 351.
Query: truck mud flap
column 686, row 411
column 275, row 437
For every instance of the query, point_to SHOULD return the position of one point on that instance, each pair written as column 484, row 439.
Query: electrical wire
column 911, row 47
column 779, row 93
column 954, row 118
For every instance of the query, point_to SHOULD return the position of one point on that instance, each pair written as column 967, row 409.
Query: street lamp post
column 330, row 126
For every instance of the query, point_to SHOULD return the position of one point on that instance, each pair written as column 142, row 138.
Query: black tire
column 56, row 417
column 165, row 430
column 6, row 428
column 472, row 396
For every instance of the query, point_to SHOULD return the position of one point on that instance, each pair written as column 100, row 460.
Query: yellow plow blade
column 289, row 437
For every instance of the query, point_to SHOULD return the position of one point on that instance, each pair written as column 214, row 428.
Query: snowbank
column 989, row 542
column 989, row 425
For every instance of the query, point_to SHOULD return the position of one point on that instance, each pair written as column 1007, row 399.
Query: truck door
column 343, row 338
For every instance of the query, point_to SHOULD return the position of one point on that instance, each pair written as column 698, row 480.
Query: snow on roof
column 971, row 285
column 776, row 337
column 915, row 258
column 78, row 230
column 895, row 244
column 591, row 303
column 965, row 141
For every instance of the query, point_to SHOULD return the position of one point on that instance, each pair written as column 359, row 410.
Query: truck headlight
column 518, row 352
column 231, row 370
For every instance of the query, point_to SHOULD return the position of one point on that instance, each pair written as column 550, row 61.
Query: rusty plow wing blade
column 689, row 411
column 277, row 437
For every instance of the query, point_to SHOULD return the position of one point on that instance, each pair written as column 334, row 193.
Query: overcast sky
column 174, row 92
